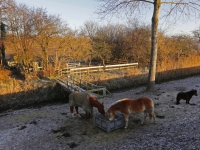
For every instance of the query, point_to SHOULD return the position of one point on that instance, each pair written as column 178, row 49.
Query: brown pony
column 86, row 102
column 128, row 106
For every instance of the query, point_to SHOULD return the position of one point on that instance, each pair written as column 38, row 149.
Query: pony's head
column 101, row 109
column 95, row 103
column 194, row 92
column 111, row 114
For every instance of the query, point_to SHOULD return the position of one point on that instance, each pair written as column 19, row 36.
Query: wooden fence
column 78, row 70
column 72, row 82
column 76, row 84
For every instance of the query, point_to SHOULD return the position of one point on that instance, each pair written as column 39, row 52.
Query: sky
column 76, row 12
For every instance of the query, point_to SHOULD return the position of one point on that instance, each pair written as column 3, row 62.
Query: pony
column 127, row 106
column 186, row 96
column 86, row 102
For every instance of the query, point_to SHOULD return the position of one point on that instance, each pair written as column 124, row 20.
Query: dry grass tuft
column 4, row 74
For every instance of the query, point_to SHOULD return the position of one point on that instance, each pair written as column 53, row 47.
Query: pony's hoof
column 79, row 115
column 125, row 127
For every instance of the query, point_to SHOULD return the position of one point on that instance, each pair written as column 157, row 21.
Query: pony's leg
column 126, row 116
column 87, row 116
column 187, row 101
column 177, row 100
column 77, row 112
column 72, row 111
column 154, row 117
column 145, row 116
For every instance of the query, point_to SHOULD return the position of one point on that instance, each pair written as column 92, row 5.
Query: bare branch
column 123, row 8
column 174, row 3
column 181, row 10
column 142, row 1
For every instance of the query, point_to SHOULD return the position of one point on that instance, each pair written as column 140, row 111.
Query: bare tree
column 19, row 22
column 90, row 29
column 101, row 48
column 3, row 10
column 196, row 34
column 183, row 9
column 46, row 27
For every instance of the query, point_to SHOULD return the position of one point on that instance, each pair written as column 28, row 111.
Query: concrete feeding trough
column 107, row 125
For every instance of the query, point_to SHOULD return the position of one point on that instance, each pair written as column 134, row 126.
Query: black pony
column 186, row 96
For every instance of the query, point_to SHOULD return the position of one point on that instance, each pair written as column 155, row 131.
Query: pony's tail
column 151, row 114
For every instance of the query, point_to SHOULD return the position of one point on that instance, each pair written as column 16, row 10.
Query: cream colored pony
column 127, row 106
column 86, row 102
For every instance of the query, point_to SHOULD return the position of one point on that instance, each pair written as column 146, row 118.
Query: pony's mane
column 94, row 100
column 91, row 97
column 124, row 99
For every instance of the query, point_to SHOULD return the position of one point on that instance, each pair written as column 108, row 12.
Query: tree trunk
column 154, row 45
column 2, row 46
column 3, row 56
column 45, row 58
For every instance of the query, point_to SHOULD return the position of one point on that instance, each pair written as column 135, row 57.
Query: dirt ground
column 51, row 127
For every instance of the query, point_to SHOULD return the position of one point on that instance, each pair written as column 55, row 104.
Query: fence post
column 80, row 83
column 104, row 92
